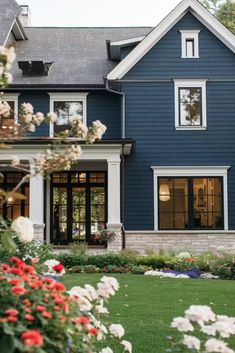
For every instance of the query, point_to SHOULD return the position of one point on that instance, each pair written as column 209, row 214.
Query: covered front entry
column 78, row 206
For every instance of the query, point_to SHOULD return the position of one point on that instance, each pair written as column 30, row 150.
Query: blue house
column 163, row 176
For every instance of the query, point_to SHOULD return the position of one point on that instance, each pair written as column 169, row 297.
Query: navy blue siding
column 164, row 60
column 40, row 102
column 102, row 106
column 106, row 107
column 150, row 118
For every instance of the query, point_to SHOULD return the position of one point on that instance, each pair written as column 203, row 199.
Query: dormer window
column 190, row 44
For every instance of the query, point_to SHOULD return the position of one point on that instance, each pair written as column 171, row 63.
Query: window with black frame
column 13, row 208
column 190, row 203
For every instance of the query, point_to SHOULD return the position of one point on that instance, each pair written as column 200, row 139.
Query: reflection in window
column 191, row 203
column 14, row 207
column 65, row 112
column 190, row 106
column 7, row 123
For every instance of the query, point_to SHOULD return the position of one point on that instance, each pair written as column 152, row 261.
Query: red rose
column 16, row 261
column 58, row 268
column 11, row 319
column 11, row 312
column 18, row 290
column 93, row 331
column 16, row 271
column 41, row 308
column 83, row 320
column 5, row 267
column 13, row 281
column 32, row 338
column 47, row 315
column 59, row 286
column 29, row 317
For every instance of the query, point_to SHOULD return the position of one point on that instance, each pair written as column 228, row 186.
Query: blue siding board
column 106, row 107
column 40, row 102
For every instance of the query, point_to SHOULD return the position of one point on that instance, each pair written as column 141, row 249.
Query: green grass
column 145, row 306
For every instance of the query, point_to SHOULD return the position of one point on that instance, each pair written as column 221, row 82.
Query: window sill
column 191, row 128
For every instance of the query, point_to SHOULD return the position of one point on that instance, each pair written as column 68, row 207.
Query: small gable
column 164, row 60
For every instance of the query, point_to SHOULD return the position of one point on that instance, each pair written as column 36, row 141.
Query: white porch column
column 36, row 205
column 114, row 204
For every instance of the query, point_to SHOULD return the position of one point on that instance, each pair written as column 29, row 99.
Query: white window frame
column 13, row 97
column 190, row 171
column 187, row 35
column 190, row 83
column 68, row 97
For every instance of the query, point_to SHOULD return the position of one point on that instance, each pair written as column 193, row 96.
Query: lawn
column 145, row 306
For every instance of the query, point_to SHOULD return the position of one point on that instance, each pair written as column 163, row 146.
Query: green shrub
column 79, row 249
column 154, row 261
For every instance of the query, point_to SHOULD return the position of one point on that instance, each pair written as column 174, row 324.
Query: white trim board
column 13, row 97
column 203, row 15
column 187, row 171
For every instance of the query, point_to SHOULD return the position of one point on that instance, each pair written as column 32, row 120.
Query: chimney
column 25, row 16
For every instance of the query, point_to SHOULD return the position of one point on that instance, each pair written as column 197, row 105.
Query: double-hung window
column 190, row 104
column 67, row 106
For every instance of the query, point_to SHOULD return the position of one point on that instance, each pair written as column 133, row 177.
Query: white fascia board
column 127, row 41
column 164, row 26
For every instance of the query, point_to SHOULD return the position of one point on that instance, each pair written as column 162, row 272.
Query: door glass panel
column 97, row 206
column 59, row 231
column 79, row 214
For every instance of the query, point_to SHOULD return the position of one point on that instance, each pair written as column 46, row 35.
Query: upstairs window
column 190, row 104
column 190, row 44
column 7, row 123
column 67, row 106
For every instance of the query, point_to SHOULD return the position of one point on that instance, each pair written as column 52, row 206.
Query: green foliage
column 27, row 251
column 224, row 10
column 79, row 249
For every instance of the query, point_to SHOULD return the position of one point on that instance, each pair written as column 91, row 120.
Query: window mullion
column 190, row 202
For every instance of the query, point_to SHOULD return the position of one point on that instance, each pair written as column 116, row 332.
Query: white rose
column 200, row 313
column 23, row 227
column 182, row 324
column 127, row 346
column 116, row 330
column 214, row 345
column 191, row 342
column 106, row 350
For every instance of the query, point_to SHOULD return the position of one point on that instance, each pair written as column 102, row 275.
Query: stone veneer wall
column 177, row 241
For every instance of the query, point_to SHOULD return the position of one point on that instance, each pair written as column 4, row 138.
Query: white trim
column 187, row 171
column 13, row 97
column 163, row 27
column 68, row 97
column 190, row 34
column 190, row 83
column 127, row 41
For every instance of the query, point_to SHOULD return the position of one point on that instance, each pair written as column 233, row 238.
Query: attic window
column 190, row 44
column 35, row 68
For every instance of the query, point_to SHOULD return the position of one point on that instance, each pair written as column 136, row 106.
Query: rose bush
column 209, row 330
column 38, row 315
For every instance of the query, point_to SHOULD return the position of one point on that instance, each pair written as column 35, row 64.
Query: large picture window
column 67, row 106
column 190, row 203
column 190, row 104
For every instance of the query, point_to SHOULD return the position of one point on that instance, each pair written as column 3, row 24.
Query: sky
column 98, row 13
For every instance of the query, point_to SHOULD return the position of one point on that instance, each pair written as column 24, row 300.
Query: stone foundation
column 115, row 245
column 39, row 232
column 144, row 241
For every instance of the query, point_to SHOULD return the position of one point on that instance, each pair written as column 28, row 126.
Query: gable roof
column 79, row 54
column 196, row 8
column 9, row 13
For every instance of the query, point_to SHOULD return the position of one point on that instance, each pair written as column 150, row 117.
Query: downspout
column 123, row 135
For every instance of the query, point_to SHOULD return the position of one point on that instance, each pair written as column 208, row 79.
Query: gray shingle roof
column 9, row 10
column 79, row 53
